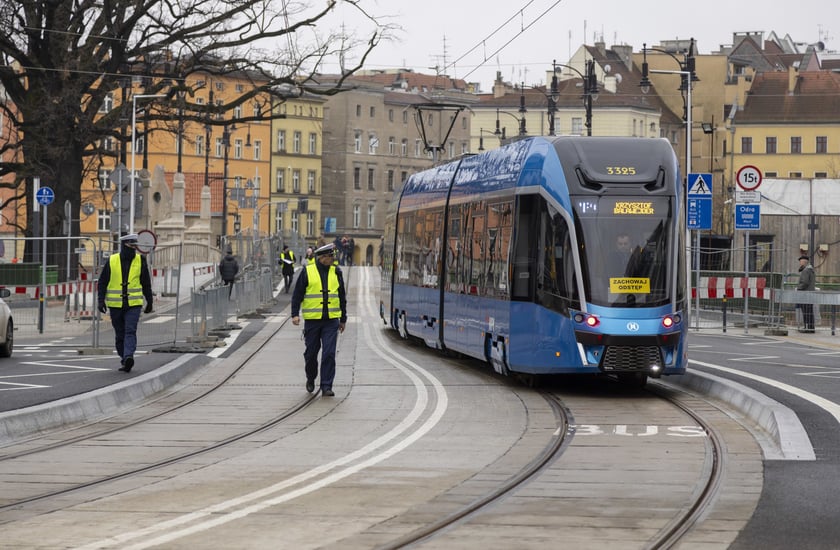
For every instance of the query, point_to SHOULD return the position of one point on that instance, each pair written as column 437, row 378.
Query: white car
column 7, row 327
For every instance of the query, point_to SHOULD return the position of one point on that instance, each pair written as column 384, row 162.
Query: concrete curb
column 785, row 439
column 94, row 405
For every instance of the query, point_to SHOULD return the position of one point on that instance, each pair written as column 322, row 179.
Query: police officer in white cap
column 321, row 299
column 124, row 283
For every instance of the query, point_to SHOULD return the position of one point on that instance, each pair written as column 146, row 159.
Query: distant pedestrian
column 228, row 269
column 310, row 256
column 123, row 284
column 807, row 281
column 320, row 297
column 287, row 258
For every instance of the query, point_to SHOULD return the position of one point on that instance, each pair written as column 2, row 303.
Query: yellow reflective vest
column 134, row 291
column 312, row 306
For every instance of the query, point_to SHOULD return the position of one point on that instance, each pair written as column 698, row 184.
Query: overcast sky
column 521, row 37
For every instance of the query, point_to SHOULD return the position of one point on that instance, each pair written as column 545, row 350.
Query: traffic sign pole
column 748, row 178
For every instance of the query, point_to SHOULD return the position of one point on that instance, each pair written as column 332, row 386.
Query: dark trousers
column 230, row 287
column 320, row 336
column 125, row 323
column 807, row 315
column 287, row 279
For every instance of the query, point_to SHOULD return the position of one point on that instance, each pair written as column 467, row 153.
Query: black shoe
column 328, row 392
column 310, row 386
column 128, row 363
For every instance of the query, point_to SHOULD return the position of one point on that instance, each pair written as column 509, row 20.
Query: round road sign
column 748, row 178
column 146, row 241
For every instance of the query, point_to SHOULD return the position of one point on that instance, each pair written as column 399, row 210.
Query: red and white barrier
column 732, row 287
column 55, row 290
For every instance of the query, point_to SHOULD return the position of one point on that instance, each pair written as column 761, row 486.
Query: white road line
column 830, row 407
column 221, row 513
column 756, row 358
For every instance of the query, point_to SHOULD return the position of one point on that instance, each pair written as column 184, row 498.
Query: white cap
column 131, row 237
column 326, row 249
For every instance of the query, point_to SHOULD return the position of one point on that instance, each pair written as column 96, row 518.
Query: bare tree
column 63, row 59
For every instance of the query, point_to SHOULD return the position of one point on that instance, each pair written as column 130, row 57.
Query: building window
column 310, row 181
column 405, row 117
column 257, row 149
column 296, row 142
column 746, row 145
column 237, row 148
column 310, row 224
column 237, row 112
column 370, row 217
column 417, row 147
column 372, row 112
column 313, row 143
column 219, row 147
column 403, row 176
column 103, row 220
column 373, row 144
column 199, row 145
column 451, row 147
column 281, row 141
column 795, row 145
column 404, row 147
column 104, row 178
column 295, row 222
column 357, row 177
column 465, row 148
column 770, row 175
column 822, row 144
column 357, row 213
column 577, row 126
column 795, row 175
column 295, row 181
column 820, row 174
column 107, row 103
column 390, row 115
column 279, row 181
column 390, row 180
column 278, row 221
column 357, row 142
column 464, row 123
column 371, row 186
column 392, row 145
column 770, row 145
column 358, row 110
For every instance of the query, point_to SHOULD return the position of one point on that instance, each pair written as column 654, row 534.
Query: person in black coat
column 228, row 268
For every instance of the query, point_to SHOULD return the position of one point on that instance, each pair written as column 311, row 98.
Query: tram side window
column 474, row 272
column 406, row 250
column 499, row 229
column 555, row 287
column 524, row 253
column 454, row 255
column 430, row 246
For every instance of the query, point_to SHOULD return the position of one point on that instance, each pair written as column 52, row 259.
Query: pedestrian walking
column 228, row 268
column 287, row 259
column 310, row 256
column 320, row 297
column 807, row 281
column 124, row 283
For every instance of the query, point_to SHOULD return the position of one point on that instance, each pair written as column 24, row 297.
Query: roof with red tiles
column 815, row 98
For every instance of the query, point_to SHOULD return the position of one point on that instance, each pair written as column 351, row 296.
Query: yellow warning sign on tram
column 628, row 285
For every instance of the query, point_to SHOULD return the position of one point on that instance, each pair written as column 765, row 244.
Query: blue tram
column 547, row 255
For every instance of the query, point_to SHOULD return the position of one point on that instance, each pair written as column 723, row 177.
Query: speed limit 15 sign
column 748, row 178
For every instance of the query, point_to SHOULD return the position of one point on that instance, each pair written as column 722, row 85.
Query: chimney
column 793, row 78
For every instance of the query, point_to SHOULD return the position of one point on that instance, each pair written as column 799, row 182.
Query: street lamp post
column 687, row 78
column 226, row 131
column 590, row 92
column 134, row 99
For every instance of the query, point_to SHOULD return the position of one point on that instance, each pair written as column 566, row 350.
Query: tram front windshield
column 626, row 249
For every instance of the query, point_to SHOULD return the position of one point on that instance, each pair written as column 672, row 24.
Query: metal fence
column 50, row 308
column 770, row 300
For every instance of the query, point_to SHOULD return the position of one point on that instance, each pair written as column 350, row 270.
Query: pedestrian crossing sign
column 699, row 185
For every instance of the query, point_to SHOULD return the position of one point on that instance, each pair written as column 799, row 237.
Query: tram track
column 218, row 385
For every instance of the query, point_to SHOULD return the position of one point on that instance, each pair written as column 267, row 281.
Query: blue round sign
column 45, row 195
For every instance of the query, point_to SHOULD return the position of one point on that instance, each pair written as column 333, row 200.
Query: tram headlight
column 587, row 319
column 670, row 320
